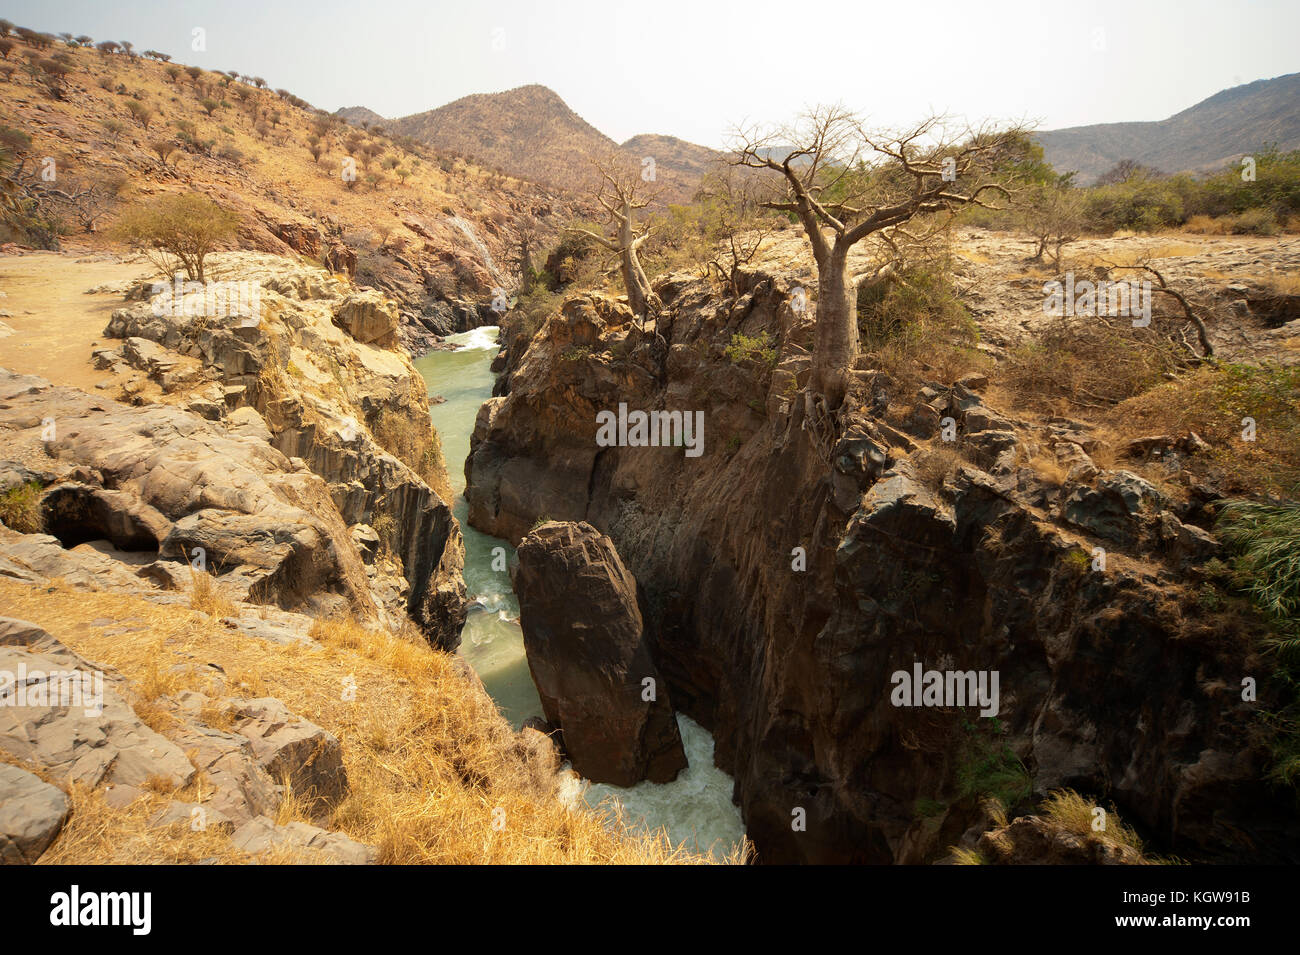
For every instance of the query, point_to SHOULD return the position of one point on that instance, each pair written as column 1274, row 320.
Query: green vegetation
column 760, row 348
column 20, row 508
column 1135, row 198
column 1266, row 538
column 988, row 767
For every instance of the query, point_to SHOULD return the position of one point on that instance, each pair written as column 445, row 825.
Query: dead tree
column 622, row 194
column 734, row 202
column 1191, row 311
column 845, row 184
column 1054, row 216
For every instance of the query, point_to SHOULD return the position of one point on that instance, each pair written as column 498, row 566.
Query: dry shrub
column 20, row 508
column 1076, row 814
column 1206, row 225
column 206, row 596
column 934, row 464
column 1089, row 363
column 916, row 330
column 1212, row 401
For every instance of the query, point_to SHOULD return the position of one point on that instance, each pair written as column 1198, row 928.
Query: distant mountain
column 669, row 152
column 356, row 115
column 1230, row 124
column 531, row 133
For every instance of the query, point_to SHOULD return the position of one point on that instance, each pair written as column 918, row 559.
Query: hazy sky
column 695, row 69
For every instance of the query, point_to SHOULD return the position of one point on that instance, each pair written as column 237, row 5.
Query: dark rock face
column 590, row 659
column 1112, row 681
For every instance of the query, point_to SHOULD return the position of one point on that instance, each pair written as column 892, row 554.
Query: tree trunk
column 634, row 278
column 836, row 341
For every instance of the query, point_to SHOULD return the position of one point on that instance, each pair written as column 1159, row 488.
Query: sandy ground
column 52, row 325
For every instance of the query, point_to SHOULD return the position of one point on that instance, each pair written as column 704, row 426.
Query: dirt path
column 52, row 325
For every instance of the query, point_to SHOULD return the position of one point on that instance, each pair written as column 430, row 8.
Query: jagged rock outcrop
column 175, row 482
column 590, row 659
column 311, row 365
column 798, row 564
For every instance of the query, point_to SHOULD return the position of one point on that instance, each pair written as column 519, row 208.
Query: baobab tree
column 846, row 184
column 622, row 194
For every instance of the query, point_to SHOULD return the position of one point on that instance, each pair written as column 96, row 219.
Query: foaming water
column 696, row 808
column 485, row 336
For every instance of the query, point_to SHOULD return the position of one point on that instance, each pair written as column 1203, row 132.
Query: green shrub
column 760, row 348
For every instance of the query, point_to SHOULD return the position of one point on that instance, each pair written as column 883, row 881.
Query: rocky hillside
column 793, row 568
column 531, row 133
column 1202, row 138
column 435, row 233
column 359, row 115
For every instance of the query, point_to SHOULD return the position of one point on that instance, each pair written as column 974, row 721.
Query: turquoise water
column 491, row 641
column 696, row 808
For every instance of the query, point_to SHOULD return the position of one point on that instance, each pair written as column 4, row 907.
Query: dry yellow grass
column 206, row 596
column 1077, row 814
column 1206, row 225
column 1285, row 283
column 436, row 774
column 1172, row 250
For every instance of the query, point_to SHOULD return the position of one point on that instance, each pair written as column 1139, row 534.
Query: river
column 696, row 808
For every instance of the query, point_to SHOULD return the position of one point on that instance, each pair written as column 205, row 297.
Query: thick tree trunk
column 632, row 281
column 836, row 342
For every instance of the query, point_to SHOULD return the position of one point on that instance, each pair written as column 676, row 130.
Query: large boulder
column 31, row 814
column 290, row 747
column 590, row 658
column 368, row 317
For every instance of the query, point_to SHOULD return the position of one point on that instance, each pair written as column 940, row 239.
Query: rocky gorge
column 796, row 565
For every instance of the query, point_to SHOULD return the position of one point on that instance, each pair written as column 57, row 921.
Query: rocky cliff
column 799, row 564
column 311, row 370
